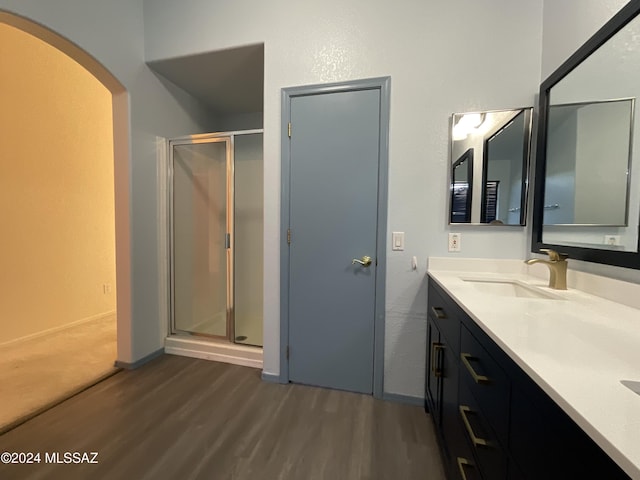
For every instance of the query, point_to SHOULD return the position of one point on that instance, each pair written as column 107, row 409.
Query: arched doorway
column 59, row 184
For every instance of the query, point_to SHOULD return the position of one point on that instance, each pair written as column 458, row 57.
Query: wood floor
column 183, row 418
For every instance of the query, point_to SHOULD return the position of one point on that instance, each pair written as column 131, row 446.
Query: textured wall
column 568, row 24
column 56, row 189
column 113, row 33
column 441, row 59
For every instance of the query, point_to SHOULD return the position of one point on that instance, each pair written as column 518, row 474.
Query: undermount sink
column 508, row 288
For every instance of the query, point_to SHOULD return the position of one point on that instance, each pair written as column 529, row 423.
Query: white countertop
column 577, row 348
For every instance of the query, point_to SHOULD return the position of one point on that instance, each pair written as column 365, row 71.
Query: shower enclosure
column 215, row 192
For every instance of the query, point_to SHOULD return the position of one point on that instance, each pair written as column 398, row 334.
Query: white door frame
column 383, row 84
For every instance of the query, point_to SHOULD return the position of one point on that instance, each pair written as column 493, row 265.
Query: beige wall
column 56, row 189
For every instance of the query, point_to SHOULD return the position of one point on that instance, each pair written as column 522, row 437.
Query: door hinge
column 287, row 352
column 289, row 236
column 289, row 129
column 227, row 240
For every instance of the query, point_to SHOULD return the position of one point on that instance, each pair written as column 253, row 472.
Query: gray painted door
column 333, row 220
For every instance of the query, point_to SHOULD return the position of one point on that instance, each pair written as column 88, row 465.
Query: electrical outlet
column 454, row 242
column 612, row 239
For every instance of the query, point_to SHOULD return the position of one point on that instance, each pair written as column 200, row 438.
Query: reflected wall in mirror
column 589, row 157
column 587, row 199
column 489, row 166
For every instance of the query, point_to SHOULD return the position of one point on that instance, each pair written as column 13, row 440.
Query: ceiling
column 227, row 81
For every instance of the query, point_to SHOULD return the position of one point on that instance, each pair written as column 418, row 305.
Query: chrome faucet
column 557, row 264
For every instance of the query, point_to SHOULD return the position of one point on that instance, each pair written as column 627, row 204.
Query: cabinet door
column 449, row 395
column 547, row 444
column 434, row 372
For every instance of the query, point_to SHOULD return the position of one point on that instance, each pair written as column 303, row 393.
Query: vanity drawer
column 487, row 382
column 490, row 457
column 445, row 315
column 462, row 464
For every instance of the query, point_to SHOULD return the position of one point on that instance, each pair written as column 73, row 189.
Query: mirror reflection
column 590, row 146
column 489, row 165
column 592, row 188
column 461, row 185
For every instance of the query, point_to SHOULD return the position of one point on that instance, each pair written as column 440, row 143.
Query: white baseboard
column 215, row 351
column 49, row 331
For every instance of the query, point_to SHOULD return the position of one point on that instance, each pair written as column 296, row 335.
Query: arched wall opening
column 121, row 176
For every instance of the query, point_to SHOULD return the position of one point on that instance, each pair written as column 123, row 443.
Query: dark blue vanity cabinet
column 443, row 338
column 493, row 422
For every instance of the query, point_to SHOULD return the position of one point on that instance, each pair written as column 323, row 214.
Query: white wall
column 441, row 60
column 113, row 33
column 239, row 121
column 567, row 24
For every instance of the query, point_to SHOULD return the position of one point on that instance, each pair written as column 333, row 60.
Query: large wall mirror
column 489, row 166
column 587, row 198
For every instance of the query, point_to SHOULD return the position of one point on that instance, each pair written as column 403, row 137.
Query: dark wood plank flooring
column 182, row 418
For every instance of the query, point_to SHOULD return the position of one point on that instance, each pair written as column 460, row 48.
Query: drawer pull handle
column 477, row 441
column 477, row 378
column 437, row 370
column 439, row 313
column 463, row 462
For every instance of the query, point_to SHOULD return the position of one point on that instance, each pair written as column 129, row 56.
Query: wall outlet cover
column 612, row 239
column 454, row 242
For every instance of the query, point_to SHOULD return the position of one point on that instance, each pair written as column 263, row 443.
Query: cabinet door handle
column 463, row 462
column 477, row 378
column 439, row 313
column 477, row 441
column 437, row 370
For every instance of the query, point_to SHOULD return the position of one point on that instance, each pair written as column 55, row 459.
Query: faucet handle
column 555, row 256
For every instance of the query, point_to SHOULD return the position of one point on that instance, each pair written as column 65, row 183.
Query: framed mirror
column 587, row 180
column 489, row 166
column 462, row 188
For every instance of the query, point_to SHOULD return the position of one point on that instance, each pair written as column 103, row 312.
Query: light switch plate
column 397, row 241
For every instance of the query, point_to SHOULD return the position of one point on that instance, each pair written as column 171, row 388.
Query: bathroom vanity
column 524, row 382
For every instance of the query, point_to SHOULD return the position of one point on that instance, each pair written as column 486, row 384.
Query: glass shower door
column 201, row 224
column 248, row 228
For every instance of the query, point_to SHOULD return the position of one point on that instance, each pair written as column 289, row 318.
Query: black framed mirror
column 462, row 188
column 587, row 176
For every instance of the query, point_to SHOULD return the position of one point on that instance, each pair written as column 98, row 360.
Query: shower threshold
column 215, row 350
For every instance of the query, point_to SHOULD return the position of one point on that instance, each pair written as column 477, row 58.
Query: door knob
column 364, row 261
